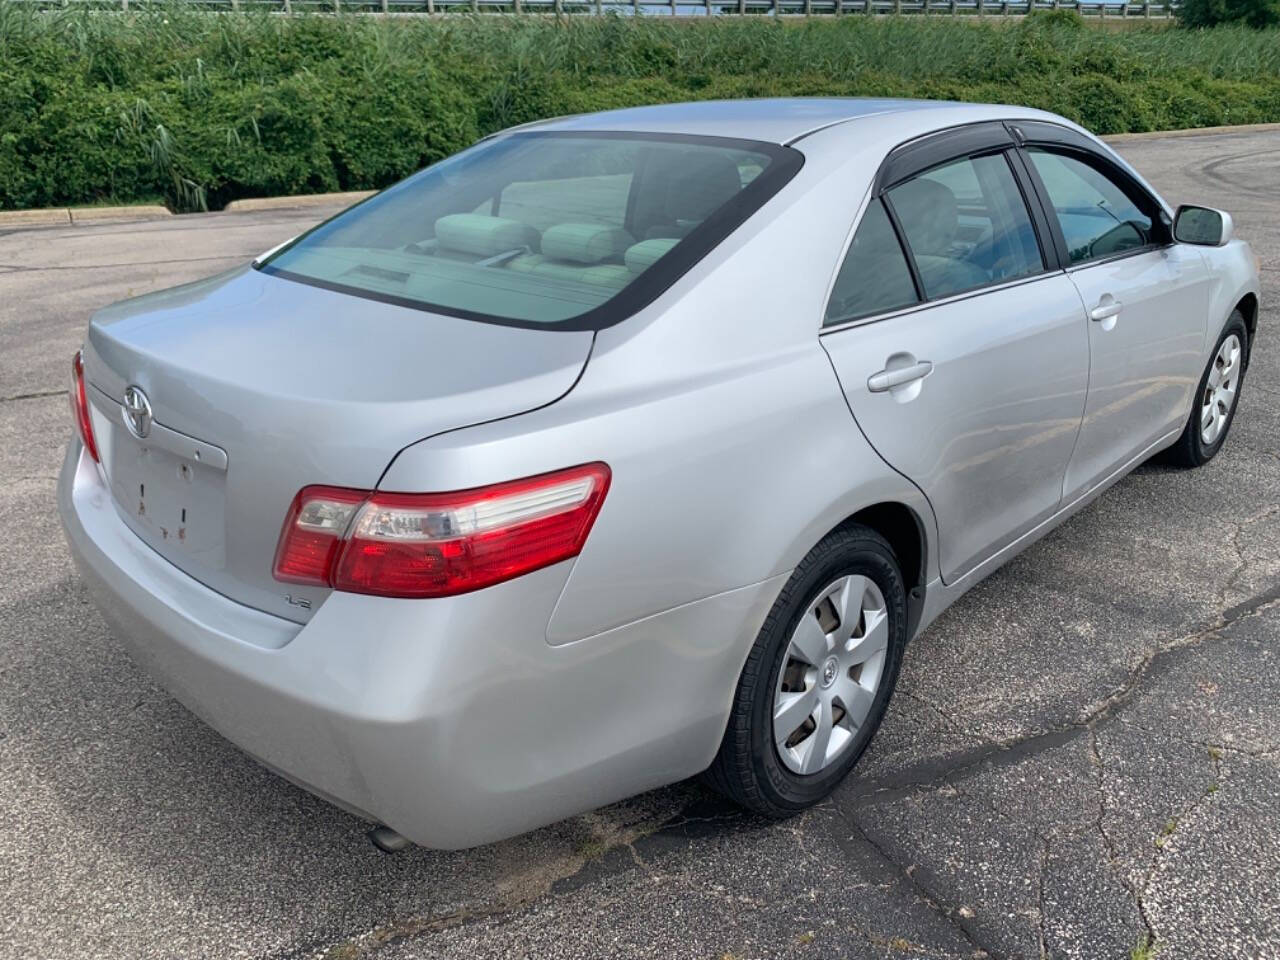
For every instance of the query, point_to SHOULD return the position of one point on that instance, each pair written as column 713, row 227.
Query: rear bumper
column 452, row 721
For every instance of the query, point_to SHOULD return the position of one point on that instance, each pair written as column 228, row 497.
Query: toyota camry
column 625, row 447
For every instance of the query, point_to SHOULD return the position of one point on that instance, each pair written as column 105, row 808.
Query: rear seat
column 586, row 253
column 580, row 253
column 480, row 235
column 646, row 253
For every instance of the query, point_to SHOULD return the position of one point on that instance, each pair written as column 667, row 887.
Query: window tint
column 534, row 228
column 1098, row 218
column 874, row 277
column 967, row 226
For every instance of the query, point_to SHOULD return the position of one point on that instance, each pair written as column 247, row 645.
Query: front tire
column 1217, row 398
column 818, row 679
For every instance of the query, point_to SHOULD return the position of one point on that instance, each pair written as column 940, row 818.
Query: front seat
column 930, row 217
column 681, row 190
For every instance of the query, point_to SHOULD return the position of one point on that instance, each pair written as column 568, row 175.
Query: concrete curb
column 67, row 215
column 305, row 200
column 1192, row 132
column 70, row 215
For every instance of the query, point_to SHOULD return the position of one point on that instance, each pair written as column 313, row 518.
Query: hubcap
column 1220, row 390
column 830, row 674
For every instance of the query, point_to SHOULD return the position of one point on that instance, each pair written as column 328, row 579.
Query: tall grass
column 197, row 109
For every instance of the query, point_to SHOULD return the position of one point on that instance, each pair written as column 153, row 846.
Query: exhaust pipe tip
column 387, row 840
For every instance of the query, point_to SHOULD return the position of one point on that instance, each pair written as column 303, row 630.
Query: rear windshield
column 534, row 229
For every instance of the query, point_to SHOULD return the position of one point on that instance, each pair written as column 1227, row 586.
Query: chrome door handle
column 888, row 379
column 1105, row 311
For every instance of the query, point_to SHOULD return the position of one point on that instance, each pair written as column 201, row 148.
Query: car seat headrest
column 930, row 215
column 482, row 235
column 585, row 242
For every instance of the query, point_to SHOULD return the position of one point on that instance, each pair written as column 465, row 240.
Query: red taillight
column 438, row 544
column 80, row 406
column 313, row 532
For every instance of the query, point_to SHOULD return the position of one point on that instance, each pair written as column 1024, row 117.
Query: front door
column 964, row 361
column 1148, row 306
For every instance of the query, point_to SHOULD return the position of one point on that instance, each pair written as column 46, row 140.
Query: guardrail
column 1111, row 9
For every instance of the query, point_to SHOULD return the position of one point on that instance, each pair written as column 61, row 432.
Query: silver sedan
column 627, row 447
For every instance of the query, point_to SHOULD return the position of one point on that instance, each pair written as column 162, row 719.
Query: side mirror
column 1202, row 226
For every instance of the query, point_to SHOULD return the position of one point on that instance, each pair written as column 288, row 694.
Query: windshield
column 568, row 229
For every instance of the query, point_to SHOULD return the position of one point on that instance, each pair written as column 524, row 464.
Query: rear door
column 1147, row 299
column 960, row 345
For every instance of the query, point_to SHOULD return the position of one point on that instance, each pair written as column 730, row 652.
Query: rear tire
column 1217, row 398
column 768, row 761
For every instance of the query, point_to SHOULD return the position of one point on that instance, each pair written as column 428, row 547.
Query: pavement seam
column 1019, row 748
column 1041, row 913
column 928, row 897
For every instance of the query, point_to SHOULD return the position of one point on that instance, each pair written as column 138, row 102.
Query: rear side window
column 1097, row 216
column 543, row 228
column 874, row 277
column 967, row 226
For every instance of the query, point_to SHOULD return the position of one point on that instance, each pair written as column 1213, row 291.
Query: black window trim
column 841, row 322
column 1064, row 141
column 785, row 163
column 1048, row 259
column 936, row 149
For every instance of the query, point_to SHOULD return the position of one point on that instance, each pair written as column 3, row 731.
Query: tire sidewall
column 864, row 556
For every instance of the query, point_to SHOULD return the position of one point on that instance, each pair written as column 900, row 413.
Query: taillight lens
column 80, row 407
column 438, row 544
column 313, row 532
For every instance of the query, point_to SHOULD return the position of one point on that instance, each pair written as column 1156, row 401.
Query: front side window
column 967, row 226
column 1098, row 218
column 542, row 228
column 874, row 277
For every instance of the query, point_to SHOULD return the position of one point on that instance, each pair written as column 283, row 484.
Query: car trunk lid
column 256, row 386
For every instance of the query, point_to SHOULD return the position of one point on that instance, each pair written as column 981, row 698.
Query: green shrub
column 197, row 110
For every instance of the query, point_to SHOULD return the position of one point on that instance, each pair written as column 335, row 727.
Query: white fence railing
column 1110, row 9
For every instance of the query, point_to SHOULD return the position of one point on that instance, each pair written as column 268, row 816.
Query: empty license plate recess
column 171, row 490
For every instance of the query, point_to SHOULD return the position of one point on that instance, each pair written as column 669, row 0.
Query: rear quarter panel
column 732, row 447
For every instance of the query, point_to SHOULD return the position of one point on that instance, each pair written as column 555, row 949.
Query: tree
column 1208, row 13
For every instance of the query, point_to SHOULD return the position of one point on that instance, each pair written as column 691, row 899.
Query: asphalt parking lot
column 1083, row 753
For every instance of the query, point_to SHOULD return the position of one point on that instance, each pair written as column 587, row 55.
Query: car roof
column 777, row 120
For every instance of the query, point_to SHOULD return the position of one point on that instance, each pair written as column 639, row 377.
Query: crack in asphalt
column 1020, row 749
column 1177, row 821
column 1109, row 845
column 373, row 940
column 37, row 395
column 1242, row 562
column 954, row 724
column 929, row 774
column 951, row 914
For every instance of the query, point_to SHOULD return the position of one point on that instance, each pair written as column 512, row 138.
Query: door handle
column 1105, row 311
column 888, row 379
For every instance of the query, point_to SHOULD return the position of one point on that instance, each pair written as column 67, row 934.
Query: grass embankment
column 198, row 109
